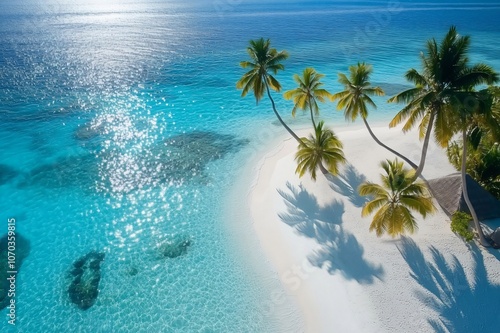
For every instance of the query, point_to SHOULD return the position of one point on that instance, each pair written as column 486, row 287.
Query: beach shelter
column 447, row 191
column 495, row 236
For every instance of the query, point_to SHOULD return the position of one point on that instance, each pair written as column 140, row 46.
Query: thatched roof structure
column 495, row 236
column 448, row 193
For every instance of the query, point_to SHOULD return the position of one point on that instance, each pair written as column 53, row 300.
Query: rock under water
column 7, row 173
column 132, row 271
column 180, row 159
column 174, row 247
column 89, row 131
column 80, row 171
column 86, row 275
column 206, row 144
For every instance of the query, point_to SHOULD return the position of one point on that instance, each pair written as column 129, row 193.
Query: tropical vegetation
column 323, row 147
column 444, row 82
column 319, row 150
column 265, row 62
column 394, row 200
column 444, row 101
column 308, row 93
column 441, row 99
column 460, row 224
column 483, row 145
column 356, row 100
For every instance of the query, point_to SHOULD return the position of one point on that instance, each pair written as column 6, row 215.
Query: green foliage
column 355, row 99
column 308, row 93
column 264, row 62
column 395, row 199
column 442, row 88
column 482, row 164
column 483, row 138
column 460, row 225
column 321, row 148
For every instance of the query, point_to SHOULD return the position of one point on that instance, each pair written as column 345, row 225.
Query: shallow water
column 121, row 129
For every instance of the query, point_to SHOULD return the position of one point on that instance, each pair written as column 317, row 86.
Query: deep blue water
column 121, row 129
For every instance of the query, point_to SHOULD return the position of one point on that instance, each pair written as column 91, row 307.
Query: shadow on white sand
column 463, row 306
column 347, row 182
column 339, row 250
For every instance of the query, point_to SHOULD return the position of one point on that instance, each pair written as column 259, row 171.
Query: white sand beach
column 344, row 278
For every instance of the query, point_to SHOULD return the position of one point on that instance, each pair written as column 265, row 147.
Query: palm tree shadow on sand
column 463, row 306
column 339, row 250
column 347, row 182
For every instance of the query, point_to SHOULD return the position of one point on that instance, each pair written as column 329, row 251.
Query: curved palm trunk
column 312, row 116
column 404, row 158
column 323, row 170
column 420, row 168
column 292, row 133
column 479, row 230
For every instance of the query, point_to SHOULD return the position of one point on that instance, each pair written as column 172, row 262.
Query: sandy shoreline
column 344, row 278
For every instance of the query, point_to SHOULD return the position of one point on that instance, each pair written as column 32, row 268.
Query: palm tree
column 308, row 93
column 481, row 106
column 264, row 62
column 394, row 200
column 323, row 147
column 446, row 80
column 483, row 148
column 355, row 99
column 446, row 73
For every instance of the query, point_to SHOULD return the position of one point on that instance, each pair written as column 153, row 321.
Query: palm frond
column 322, row 147
column 264, row 60
column 476, row 75
column 394, row 200
column 406, row 96
column 381, row 219
column 416, row 78
column 373, row 91
column 403, row 221
column 371, row 189
column 308, row 93
column 423, row 205
column 372, row 206
column 354, row 100
column 273, row 83
column 445, row 76
column 422, row 128
column 344, row 80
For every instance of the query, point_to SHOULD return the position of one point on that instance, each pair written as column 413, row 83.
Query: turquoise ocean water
column 121, row 130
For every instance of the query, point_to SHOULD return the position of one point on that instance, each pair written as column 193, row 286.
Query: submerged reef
column 209, row 145
column 86, row 275
column 66, row 172
column 179, row 159
column 174, row 246
column 89, row 131
column 7, row 174
column 185, row 156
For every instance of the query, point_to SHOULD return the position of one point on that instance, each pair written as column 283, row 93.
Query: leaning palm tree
column 446, row 73
column 395, row 199
column 264, row 62
column 355, row 99
column 483, row 135
column 468, row 105
column 308, row 93
column 322, row 148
